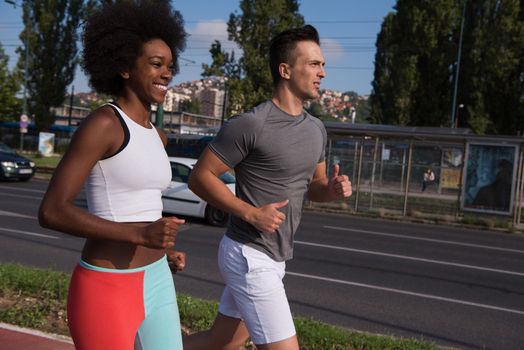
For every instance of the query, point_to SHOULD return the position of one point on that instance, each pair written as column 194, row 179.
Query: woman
column 122, row 294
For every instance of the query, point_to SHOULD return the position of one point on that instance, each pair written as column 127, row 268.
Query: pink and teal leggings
column 124, row 309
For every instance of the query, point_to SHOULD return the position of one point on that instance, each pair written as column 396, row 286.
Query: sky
column 347, row 28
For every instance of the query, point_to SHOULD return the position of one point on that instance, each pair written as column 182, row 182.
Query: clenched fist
column 161, row 234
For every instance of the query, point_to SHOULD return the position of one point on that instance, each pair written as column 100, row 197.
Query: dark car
column 14, row 166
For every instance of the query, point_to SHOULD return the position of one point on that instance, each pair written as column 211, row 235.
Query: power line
column 308, row 21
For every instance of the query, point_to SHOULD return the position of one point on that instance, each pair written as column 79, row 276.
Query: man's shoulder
column 255, row 116
column 316, row 122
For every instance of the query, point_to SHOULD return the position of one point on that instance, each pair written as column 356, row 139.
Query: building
column 211, row 102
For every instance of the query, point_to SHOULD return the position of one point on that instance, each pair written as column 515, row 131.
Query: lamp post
column 457, row 119
column 459, row 54
column 26, row 66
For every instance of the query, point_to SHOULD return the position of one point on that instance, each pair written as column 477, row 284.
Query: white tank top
column 127, row 187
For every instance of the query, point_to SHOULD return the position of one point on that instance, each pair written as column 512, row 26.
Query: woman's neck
column 135, row 109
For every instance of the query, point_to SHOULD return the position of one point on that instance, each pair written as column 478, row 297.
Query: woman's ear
column 124, row 75
column 283, row 69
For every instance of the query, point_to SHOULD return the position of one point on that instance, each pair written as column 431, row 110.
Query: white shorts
column 254, row 292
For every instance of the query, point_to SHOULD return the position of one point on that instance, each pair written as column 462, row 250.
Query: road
column 457, row 287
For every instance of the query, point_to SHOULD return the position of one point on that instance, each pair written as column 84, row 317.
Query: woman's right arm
column 100, row 135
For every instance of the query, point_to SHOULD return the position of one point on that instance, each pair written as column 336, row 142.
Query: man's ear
column 284, row 71
column 124, row 75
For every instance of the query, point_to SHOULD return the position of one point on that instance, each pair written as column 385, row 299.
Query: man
column 277, row 152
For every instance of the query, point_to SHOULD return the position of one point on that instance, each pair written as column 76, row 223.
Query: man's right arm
column 204, row 181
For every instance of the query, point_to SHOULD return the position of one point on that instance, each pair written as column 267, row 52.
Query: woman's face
column 152, row 72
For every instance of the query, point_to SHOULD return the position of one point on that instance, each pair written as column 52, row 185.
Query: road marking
column 28, row 233
column 9, row 213
column 21, row 189
column 405, row 292
column 19, row 196
column 426, row 239
column 411, row 258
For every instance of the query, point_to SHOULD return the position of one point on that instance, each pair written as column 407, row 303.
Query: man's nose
column 322, row 73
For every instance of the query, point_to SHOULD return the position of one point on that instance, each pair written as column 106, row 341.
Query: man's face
column 307, row 70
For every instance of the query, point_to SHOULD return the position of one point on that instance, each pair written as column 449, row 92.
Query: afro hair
column 115, row 34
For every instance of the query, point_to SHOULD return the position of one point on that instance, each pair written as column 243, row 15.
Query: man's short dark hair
column 115, row 34
column 282, row 47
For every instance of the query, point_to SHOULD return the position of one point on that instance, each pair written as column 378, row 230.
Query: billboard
column 46, row 143
column 489, row 178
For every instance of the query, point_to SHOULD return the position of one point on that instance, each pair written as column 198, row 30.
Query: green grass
column 32, row 297
column 36, row 298
column 41, row 161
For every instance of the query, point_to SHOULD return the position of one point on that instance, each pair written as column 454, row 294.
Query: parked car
column 179, row 199
column 15, row 166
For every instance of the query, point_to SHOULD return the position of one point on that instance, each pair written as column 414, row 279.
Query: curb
column 51, row 336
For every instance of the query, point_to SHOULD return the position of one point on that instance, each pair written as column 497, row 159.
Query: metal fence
column 388, row 175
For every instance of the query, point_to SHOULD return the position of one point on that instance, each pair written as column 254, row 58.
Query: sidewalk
column 17, row 338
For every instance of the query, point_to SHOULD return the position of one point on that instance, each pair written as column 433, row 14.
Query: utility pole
column 71, row 105
column 459, row 54
column 224, row 104
column 26, row 69
column 159, row 117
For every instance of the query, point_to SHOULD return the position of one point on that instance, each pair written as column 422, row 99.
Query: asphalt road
column 457, row 287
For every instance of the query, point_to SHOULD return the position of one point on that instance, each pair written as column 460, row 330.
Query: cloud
column 332, row 50
column 205, row 33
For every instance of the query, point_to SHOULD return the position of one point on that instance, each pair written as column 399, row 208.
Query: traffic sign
column 24, row 120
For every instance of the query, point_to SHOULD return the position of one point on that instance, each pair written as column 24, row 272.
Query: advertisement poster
column 449, row 178
column 489, row 178
column 46, row 144
column 450, row 171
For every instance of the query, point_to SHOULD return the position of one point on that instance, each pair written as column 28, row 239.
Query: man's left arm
column 324, row 188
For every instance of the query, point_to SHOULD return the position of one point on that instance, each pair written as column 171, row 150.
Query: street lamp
column 26, row 66
column 457, row 119
column 459, row 53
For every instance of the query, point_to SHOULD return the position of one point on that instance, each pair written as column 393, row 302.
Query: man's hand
column 339, row 186
column 268, row 218
column 176, row 260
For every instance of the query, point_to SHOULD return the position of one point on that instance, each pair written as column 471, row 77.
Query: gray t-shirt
column 274, row 155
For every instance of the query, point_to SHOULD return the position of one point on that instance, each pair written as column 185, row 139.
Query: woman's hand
column 176, row 260
column 161, row 234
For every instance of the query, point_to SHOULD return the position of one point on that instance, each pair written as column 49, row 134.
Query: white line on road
column 411, row 258
column 19, row 196
column 17, row 215
column 21, row 189
column 28, row 233
column 405, row 292
column 426, row 239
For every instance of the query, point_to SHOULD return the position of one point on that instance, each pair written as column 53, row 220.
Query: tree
column 416, row 65
column 10, row 105
column 51, row 37
column 224, row 64
column 381, row 100
column 249, row 79
column 414, row 52
column 316, row 110
column 190, row 106
column 493, row 80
